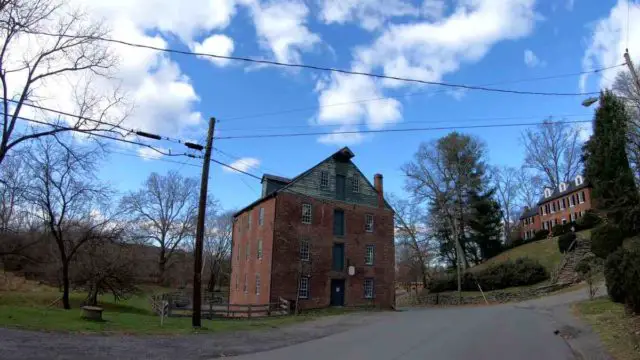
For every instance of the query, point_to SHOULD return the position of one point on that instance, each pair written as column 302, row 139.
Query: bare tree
column 411, row 234
column 12, row 188
column 164, row 212
column 68, row 199
column 217, row 246
column 505, row 180
column 46, row 43
column 554, row 150
column 530, row 188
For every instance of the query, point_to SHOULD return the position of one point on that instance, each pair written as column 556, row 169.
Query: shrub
column 605, row 239
column 517, row 242
column 587, row 221
column 561, row 229
column 631, row 268
column 614, row 275
column 541, row 234
column 565, row 241
column 522, row 271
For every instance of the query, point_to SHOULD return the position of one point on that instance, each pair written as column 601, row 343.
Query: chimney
column 377, row 184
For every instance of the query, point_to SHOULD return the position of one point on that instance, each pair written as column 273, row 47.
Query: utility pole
column 197, row 263
column 632, row 69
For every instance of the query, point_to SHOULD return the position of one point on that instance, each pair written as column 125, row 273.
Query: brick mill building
column 562, row 205
column 323, row 238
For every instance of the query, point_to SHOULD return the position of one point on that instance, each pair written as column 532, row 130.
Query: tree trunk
column 162, row 262
column 65, row 285
column 212, row 282
column 92, row 297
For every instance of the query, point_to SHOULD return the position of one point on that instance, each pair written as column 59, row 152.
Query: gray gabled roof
column 529, row 213
column 571, row 187
column 276, row 178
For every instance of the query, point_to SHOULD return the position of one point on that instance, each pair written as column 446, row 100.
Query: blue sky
column 464, row 41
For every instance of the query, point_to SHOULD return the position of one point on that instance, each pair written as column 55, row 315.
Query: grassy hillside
column 545, row 251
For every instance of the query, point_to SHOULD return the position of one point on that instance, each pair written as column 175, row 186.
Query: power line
column 309, row 108
column 267, row 128
column 236, row 169
column 305, row 66
column 95, row 134
column 140, row 156
column 392, row 130
column 118, row 126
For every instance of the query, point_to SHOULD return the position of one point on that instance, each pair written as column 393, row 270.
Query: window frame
column 324, row 179
column 305, row 214
column 355, row 184
column 572, row 201
column 245, row 287
column 248, row 250
column 261, row 216
column 372, row 286
column 368, row 226
column 303, row 289
column 370, row 254
column 305, row 249
column 581, row 197
column 249, row 220
column 259, row 250
column 258, row 284
column 343, row 226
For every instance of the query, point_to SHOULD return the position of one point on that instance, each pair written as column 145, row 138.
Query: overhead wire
column 306, row 66
column 140, row 156
column 318, row 133
column 309, row 108
column 138, row 132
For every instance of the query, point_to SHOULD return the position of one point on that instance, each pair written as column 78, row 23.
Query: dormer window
column 563, row 187
column 579, row 180
column 547, row 192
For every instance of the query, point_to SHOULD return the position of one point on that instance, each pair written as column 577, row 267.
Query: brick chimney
column 377, row 184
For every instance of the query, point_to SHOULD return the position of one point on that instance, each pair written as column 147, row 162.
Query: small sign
column 352, row 270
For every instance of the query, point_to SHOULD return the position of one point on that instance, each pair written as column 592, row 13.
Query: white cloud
column 424, row 50
column 433, row 9
column 243, row 164
column 531, row 60
column 370, row 14
column 218, row 45
column 342, row 139
column 150, row 154
column 608, row 41
column 281, row 28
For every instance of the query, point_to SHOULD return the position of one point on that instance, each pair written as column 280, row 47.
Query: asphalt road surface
column 542, row 329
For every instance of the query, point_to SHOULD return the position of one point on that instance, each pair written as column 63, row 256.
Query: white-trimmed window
column 581, row 197
column 368, row 288
column 564, row 221
column 368, row 223
column 257, row 284
column 303, row 292
column 547, row 192
column 563, row 187
column 324, row 179
column 553, row 207
column 543, row 210
column 306, row 213
column 572, row 201
column 305, row 254
column 579, row 180
column 259, row 252
column 249, row 224
column 261, row 216
column 369, row 254
column 355, row 184
column 564, row 203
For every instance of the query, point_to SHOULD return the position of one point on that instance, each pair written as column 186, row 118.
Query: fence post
column 249, row 311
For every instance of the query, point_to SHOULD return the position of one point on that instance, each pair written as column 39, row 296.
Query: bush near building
column 565, row 241
column 521, row 272
column 622, row 275
column 540, row 234
column 588, row 221
column 605, row 239
column 562, row 229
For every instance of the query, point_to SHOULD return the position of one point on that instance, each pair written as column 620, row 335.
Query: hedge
column 522, row 271
column 605, row 239
column 622, row 276
column 540, row 234
column 588, row 221
column 565, row 241
column 561, row 229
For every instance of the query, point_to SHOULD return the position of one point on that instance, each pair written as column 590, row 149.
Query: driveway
column 516, row 331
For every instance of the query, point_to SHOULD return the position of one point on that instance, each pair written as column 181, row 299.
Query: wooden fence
column 179, row 304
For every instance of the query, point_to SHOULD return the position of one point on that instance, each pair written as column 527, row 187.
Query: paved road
column 518, row 331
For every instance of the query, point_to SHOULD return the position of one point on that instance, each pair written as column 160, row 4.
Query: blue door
column 337, row 292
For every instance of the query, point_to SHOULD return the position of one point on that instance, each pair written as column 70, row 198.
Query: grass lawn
column 31, row 310
column 619, row 332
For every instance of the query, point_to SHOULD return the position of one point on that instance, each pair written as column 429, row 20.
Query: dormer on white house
column 563, row 187
column 547, row 192
column 579, row 180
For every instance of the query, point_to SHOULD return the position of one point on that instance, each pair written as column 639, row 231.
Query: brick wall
column 287, row 267
column 244, row 237
column 565, row 213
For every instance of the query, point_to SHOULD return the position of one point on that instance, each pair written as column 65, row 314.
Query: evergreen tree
column 486, row 224
column 606, row 164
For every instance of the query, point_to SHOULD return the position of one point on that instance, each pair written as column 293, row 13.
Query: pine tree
column 486, row 224
column 606, row 164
